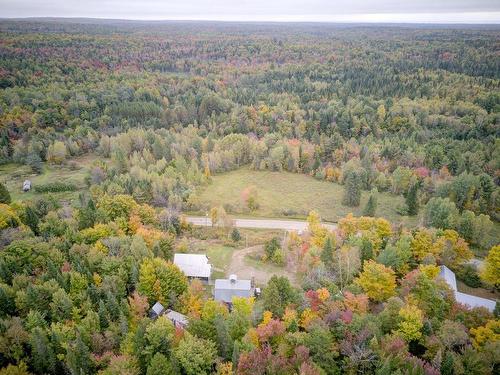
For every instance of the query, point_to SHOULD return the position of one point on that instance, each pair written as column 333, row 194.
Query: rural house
column 194, row 265
column 226, row 289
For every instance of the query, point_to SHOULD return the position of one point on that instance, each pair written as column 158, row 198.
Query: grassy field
column 13, row 175
column 293, row 195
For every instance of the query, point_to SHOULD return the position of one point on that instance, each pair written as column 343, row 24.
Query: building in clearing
column 179, row 320
column 156, row 310
column 26, row 185
column 194, row 265
column 466, row 299
column 226, row 289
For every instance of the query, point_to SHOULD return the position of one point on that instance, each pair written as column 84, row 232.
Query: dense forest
column 410, row 111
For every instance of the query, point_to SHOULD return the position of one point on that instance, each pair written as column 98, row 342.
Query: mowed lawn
column 13, row 176
column 284, row 194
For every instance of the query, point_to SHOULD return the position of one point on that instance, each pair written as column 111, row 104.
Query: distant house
column 226, row 289
column 156, row 310
column 179, row 320
column 466, row 299
column 194, row 265
column 26, row 185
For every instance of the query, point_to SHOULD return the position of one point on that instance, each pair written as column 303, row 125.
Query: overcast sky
column 448, row 11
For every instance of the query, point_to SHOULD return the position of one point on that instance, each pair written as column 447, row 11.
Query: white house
column 194, row 265
column 466, row 299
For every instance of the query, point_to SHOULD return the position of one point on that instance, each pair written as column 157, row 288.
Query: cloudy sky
column 448, row 11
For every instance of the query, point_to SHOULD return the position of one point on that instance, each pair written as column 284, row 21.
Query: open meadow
column 285, row 194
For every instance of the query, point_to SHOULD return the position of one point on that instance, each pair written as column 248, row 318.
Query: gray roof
column 473, row 301
column 226, row 289
column 465, row 299
column 448, row 276
column 193, row 265
column 157, row 308
column 176, row 317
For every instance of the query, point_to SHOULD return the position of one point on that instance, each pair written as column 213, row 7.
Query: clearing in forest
column 285, row 194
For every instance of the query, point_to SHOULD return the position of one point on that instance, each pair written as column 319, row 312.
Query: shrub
column 54, row 187
column 469, row 276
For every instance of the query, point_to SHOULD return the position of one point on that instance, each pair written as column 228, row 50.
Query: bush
column 235, row 235
column 54, row 187
column 469, row 276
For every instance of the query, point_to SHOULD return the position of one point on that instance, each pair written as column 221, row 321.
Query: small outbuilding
column 179, row 320
column 156, row 311
column 226, row 289
column 26, row 185
column 194, row 265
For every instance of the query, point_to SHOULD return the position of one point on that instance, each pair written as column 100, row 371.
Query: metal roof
column 193, row 265
column 473, row 301
column 465, row 299
column 226, row 289
column 448, row 276
column 176, row 317
column 158, row 308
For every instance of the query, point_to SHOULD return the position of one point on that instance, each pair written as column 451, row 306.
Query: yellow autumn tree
column 490, row 273
column 455, row 249
column 410, row 327
column 423, row 245
column 489, row 332
column 318, row 232
column 377, row 280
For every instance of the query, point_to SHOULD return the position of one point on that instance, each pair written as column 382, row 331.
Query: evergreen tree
column 327, row 253
column 236, row 354
column 412, row 200
column 371, row 205
column 78, row 358
column 235, row 235
column 352, row 189
column 159, row 365
column 43, row 357
column 31, row 220
column 4, row 194
column 224, row 342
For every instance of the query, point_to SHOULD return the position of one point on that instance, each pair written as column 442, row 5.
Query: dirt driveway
column 261, row 272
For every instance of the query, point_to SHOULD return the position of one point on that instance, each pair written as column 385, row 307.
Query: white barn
column 466, row 299
column 194, row 265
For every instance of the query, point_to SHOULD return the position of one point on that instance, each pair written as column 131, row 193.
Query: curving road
column 289, row 225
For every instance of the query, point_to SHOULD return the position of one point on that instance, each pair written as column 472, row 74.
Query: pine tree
column 31, row 220
column 327, row 253
column 412, row 200
column 42, row 354
column 235, row 235
column 352, row 189
column 4, row 194
column 236, row 354
column 371, row 205
column 159, row 365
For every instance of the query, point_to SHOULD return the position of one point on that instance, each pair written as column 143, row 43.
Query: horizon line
column 442, row 18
